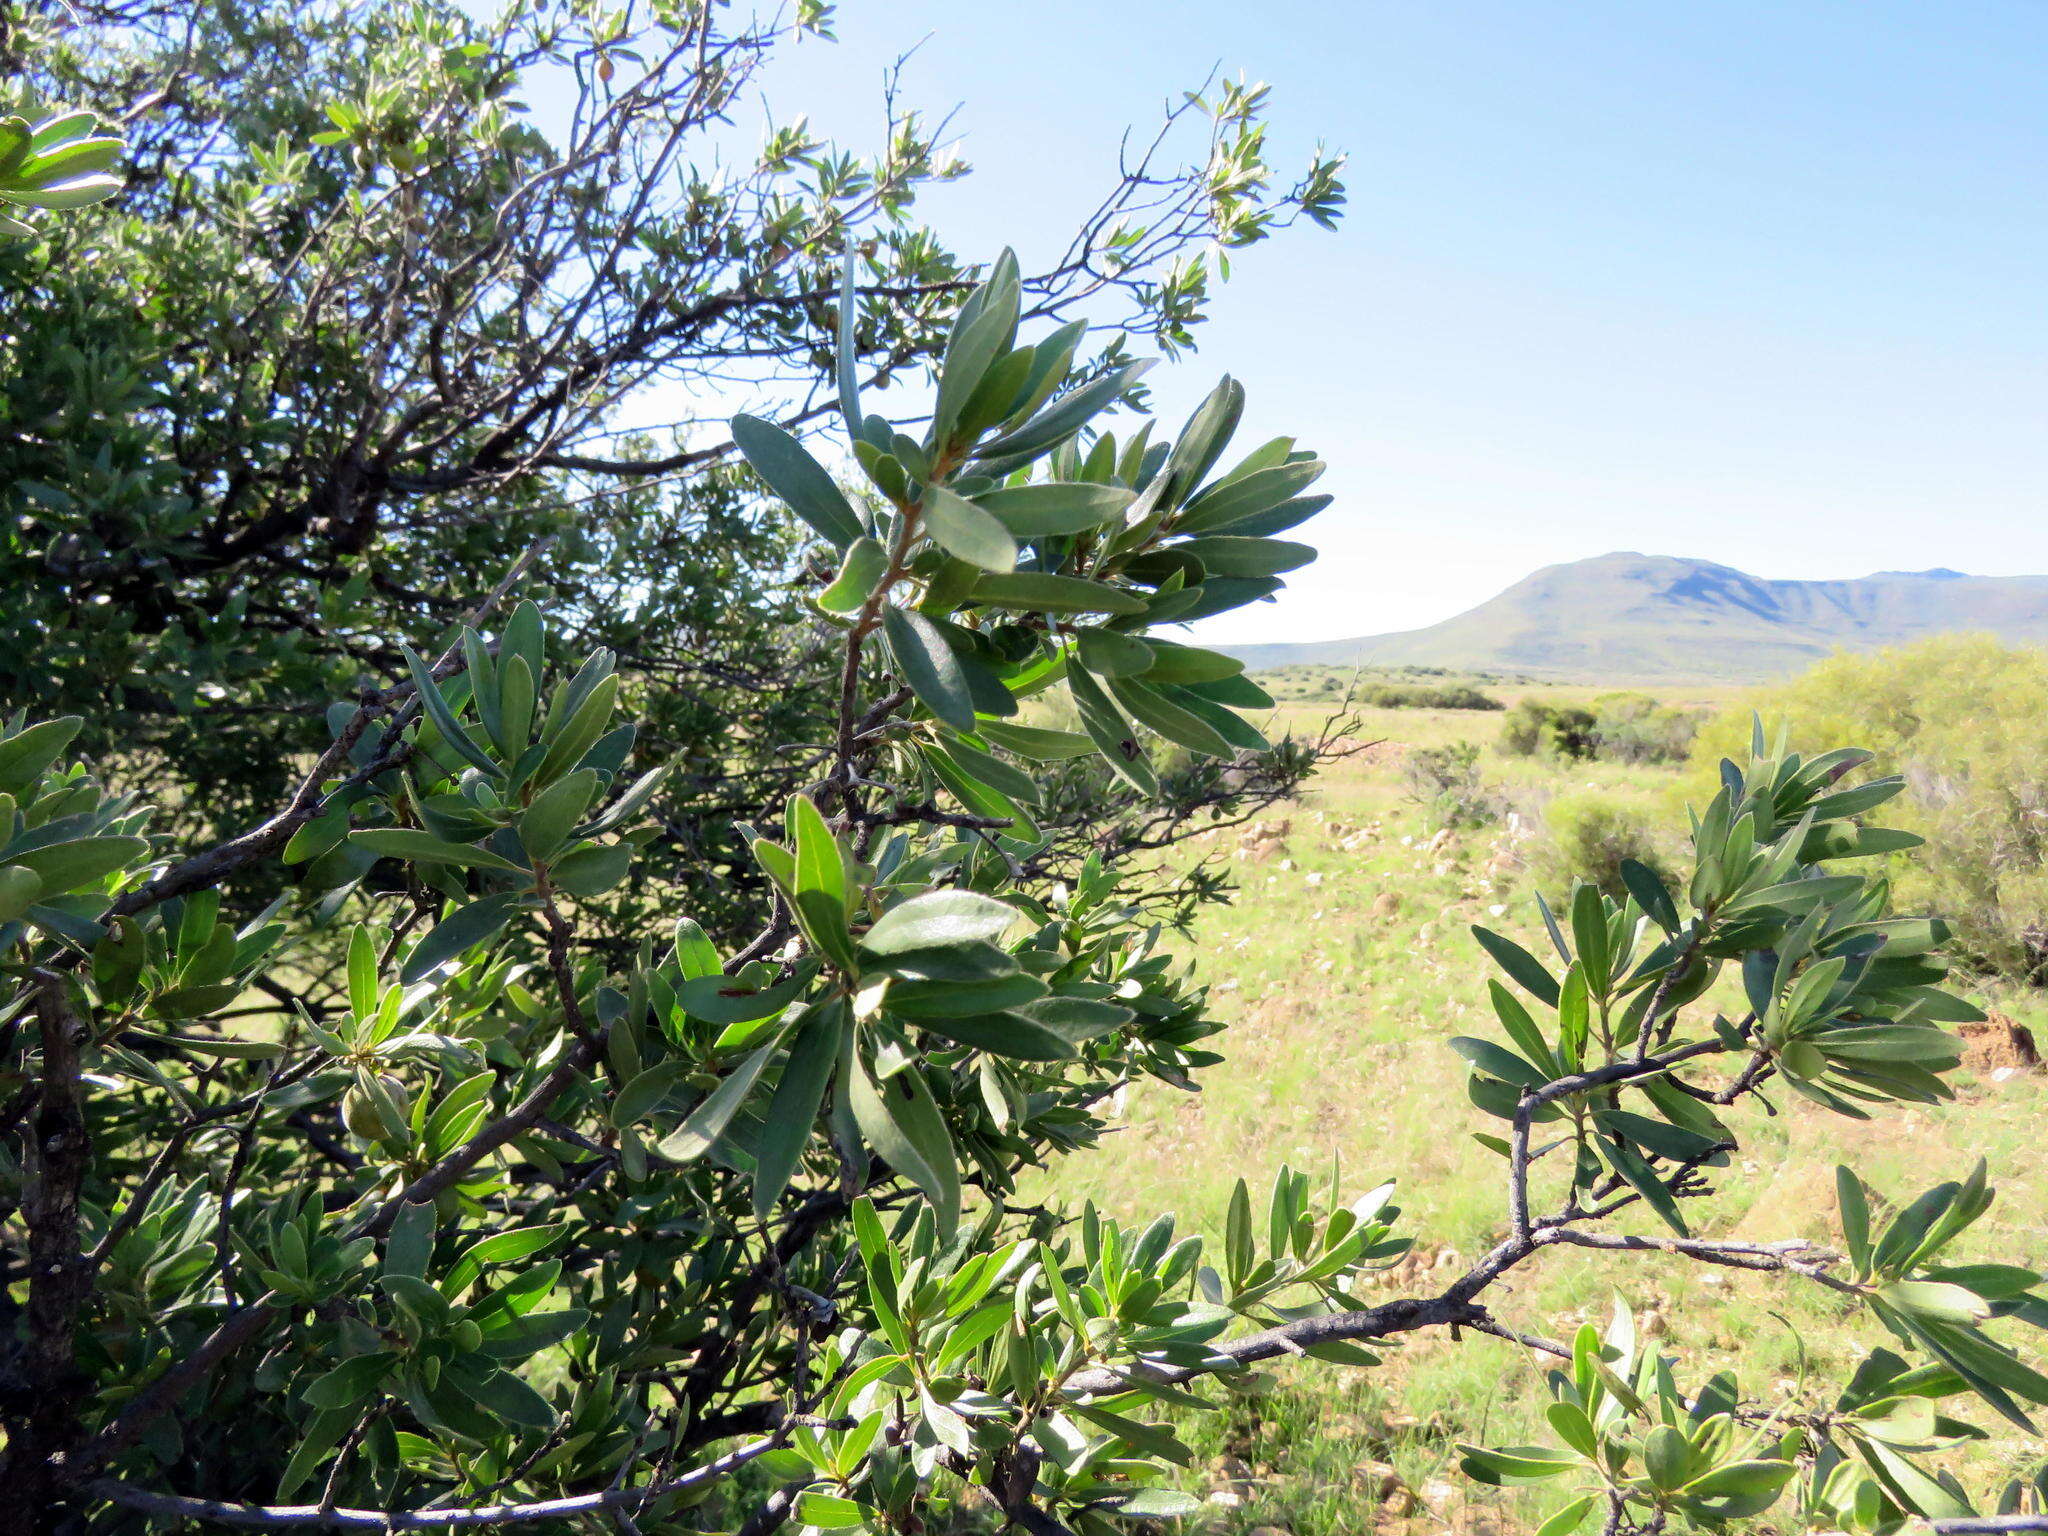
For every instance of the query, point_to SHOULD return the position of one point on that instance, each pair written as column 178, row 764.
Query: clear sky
column 1756, row 281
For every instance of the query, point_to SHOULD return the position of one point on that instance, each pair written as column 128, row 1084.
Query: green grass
column 1343, row 966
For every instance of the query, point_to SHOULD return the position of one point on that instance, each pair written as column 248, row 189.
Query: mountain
column 1655, row 618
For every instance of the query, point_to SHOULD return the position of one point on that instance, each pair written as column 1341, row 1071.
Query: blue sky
column 1756, row 282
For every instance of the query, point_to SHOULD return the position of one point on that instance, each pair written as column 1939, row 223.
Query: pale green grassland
column 1343, row 966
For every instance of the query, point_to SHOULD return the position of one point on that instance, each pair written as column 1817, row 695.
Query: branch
column 266, row 1517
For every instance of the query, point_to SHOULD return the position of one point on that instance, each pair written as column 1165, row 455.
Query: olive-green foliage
column 1588, row 834
column 1534, row 727
column 1448, row 783
column 1425, row 696
column 1965, row 720
column 1635, row 728
column 361, row 334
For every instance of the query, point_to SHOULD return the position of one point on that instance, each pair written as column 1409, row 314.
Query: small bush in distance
column 1446, row 781
column 1533, row 728
column 1590, row 835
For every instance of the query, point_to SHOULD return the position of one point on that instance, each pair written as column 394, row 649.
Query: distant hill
column 1656, row 618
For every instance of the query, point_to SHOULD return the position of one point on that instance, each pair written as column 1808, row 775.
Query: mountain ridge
column 1630, row 617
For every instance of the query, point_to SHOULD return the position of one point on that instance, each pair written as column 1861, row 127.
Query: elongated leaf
column 459, row 932
column 425, row 848
column 1232, row 501
column 846, row 356
column 1054, row 507
column 705, row 1124
column 1154, row 709
column 1227, row 555
column 929, row 666
column 938, row 919
column 800, row 480
column 1112, row 734
column 1035, row 742
column 899, row 1120
column 793, row 1111
column 967, row 532
column 436, row 706
column 546, row 823
column 1039, row 592
column 1524, row 967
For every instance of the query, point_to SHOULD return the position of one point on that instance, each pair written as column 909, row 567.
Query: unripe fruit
column 380, row 1115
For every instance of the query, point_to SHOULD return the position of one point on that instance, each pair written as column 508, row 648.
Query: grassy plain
column 1344, row 965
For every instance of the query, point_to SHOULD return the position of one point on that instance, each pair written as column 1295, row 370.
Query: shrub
column 1634, row 728
column 1590, row 835
column 1447, row 782
column 1533, row 727
column 1961, row 719
column 1422, row 696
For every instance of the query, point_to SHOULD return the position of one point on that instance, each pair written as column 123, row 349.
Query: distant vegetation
column 1378, row 688
column 1615, row 727
column 1962, row 718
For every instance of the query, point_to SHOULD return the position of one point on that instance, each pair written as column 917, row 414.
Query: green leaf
column 1054, row 507
column 1106, row 653
column 1496, row 1061
column 899, row 1120
column 28, row 754
column 800, row 480
column 1173, row 663
column 1156, row 1504
column 1232, row 501
column 704, row 1125
column 1203, row 439
column 349, row 1382
column 829, row 1512
column 1035, row 742
column 575, row 735
column 938, row 919
column 362, row 973
column 435, row 703
column 1573, row 1427
column 967, row 532
column 929, row 666
column 846, row 355
column 1520, row 965
column 546, row 823
column 859, row 573
column 1669, row 1457
column 1009, row 1034
column 793, row 1110
column 644, row 1092
column 921, row 1000
column 79, row 863
column 1936, row 1299
column 411, row 1242
column 1113, row 735
column 1060, row 420
column 1228, row 555
column 1568, row 1519
column 1514, row 1465
column 424, row 848
column 1039, row 592
column 982, row 331
column 1152, row 708
column 459, row 932
column 720, row 999
column 1743, row 1479
column 1638, row 1173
